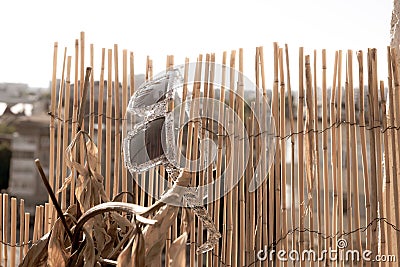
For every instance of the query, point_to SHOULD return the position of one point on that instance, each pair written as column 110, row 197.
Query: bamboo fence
column 333, row 177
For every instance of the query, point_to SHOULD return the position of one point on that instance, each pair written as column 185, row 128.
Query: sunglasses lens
column 145, row 147
column 148, row 95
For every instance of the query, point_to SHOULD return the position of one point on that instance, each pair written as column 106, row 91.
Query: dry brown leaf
column 37, row 254
column 156, row 235
column 134, row 253
column 58, row 255
column 177, row 251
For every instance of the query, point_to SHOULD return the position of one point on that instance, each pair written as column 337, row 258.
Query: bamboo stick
column 292, row 141
column 339, row 144
column 283, row 152
column 349, row 186
column 325, row 151
column 335, row 204
column 364, row 150
column 220, row 165
column 267, row 233
column 81, row 86
column 135, row 185
column 75, row 115
column 378, row 142
column 192, row 130
column 393, row 153
column 124, row 128
column 66, row 129
column 52, row 118
column 256, row 130
column 373, row 160
column 91, row 99
column 387, row 184
column 396, row 112
column 46, row 217
column 250, row 196
column 300, row 155
column 21, row 229
column 5, row 228
column 100, row 116
column 202, row 173
column 13, row 240
column 210, row 176
column 108, row 125
column 354, row 163
column 242, row 158
column 26, row 232
column 318, row 183
column 59, row 128
column 310, row 153
column 117, row 132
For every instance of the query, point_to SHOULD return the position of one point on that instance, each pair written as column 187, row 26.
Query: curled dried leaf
column 37, row 254
column 177, row 251
column 58, row 254
column 155, row 235
column 134, row 253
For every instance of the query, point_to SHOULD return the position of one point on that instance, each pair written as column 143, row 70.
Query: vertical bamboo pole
column 40, row 221
column 325, row 151
column 21, row 229
column 318, row 183
column 378, row 143
column 396, row 116
column 229, row 208
column 220, row 165
column 108, row 125
column 13, row 240
column 393, row 154
column 52, row 118
column 210, row 178
column 250, row 196
column 339, row 144
column 292, row 141
column 256, row 130
column 192, row 130
column 386, row 190
column 81, row 85
column 310, row 153
column 242, row 158
column 373, row 155
column 66, row 130
column 46, row 217
column 74, row 116
column 26, row 232
column 354, row 157
column 5, row 228
column 91, row 103
column 124, row 105
column 275, row 176
column 349, row 186
column 300, row 155
column 335, row 204
column 117, row 132
column 364, row 150
column 267, row 230
column 202, row 173
column 100, row 116
column 59, row 134
column 282, row 115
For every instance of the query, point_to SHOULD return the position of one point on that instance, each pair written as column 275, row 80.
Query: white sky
column 28, row 30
